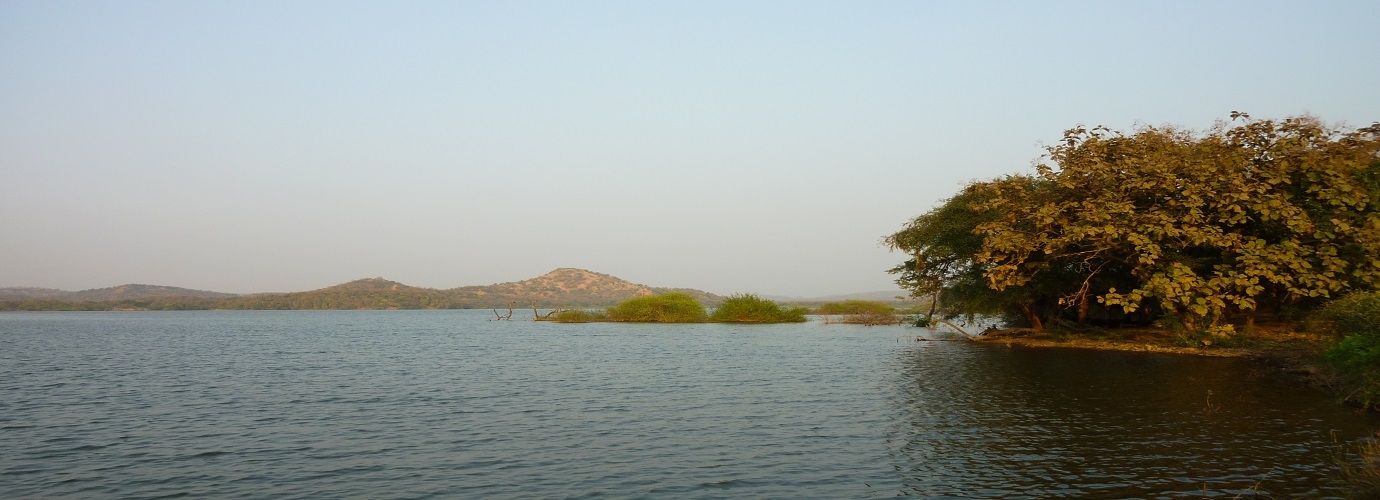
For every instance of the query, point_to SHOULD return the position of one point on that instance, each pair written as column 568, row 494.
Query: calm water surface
column 413, row 404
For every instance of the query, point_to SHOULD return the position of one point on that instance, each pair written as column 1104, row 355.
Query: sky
column 735, row 147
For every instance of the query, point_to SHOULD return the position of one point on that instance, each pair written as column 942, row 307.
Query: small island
column 680, row 307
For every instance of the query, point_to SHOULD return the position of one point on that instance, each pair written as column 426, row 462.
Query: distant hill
column 142, row 292
column 565, row 287
column 23, row 293
column 122, row 292
column 369, row 293
column 568, row 287
column 880, row 296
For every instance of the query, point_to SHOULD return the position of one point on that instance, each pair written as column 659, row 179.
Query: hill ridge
column 561, row 287
column 117, row 292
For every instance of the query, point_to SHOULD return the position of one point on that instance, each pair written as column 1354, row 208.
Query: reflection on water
column 409, row 404
column 984, row 420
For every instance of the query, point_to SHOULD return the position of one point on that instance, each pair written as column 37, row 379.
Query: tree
column 1256, row 214
column 943, row 244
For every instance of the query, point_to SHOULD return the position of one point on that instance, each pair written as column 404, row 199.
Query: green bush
column 862, row 307
column 1356, row 318
column 874, row 319
column 665, row 308
column 577, row 316
column 750, row 308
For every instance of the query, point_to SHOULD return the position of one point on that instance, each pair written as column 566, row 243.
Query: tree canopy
column 1248, row 216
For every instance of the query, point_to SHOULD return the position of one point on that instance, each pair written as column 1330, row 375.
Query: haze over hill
column 238, row 147
column 564, row 287
column 121, row 292
column 879, row 295
column 574, row 287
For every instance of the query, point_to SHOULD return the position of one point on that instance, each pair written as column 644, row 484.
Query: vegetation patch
column 749, row 308
column 859, row 312
column 683, row 308
column 856, row 307
column 664, row 308
column 1200, row 230
column 1356, row 319
column 867, row 319
column 575, row 316
column 1360, row 467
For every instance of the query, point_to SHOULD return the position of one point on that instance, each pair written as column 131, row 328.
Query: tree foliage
column 1248, row 216
column 944, row 245
column 1356, row 319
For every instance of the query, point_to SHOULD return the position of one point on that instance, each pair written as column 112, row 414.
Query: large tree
column 1248, row 216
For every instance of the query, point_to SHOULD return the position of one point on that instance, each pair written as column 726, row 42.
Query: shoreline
column 1122, row 345
column 1292, row 353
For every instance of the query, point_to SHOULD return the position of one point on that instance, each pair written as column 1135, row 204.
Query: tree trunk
column 1030, row 315
column 951, row 325
column 1083, row 310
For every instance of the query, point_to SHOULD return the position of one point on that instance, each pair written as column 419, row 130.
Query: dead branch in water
column 509, row 317
column 951, row 325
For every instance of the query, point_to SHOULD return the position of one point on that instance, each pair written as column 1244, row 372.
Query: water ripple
column 417, row 404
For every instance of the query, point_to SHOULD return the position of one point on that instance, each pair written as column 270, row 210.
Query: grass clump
column 749, row 308
column 664, row 308
column 1356, row 318
column 1360, row 467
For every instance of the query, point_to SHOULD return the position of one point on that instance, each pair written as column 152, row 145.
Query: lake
column 416, row 404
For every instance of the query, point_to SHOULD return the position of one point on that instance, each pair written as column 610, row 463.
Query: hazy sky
column 735, row 146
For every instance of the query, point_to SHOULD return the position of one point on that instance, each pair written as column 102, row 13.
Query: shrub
column 748, row 308
column 869, row 319
column 1356, row 318
column 861, row 312
column 665, row 308
column 577, row 316
column 862, row 307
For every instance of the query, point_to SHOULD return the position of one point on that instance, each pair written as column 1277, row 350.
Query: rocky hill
column 565, row 287
column 369, row 293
